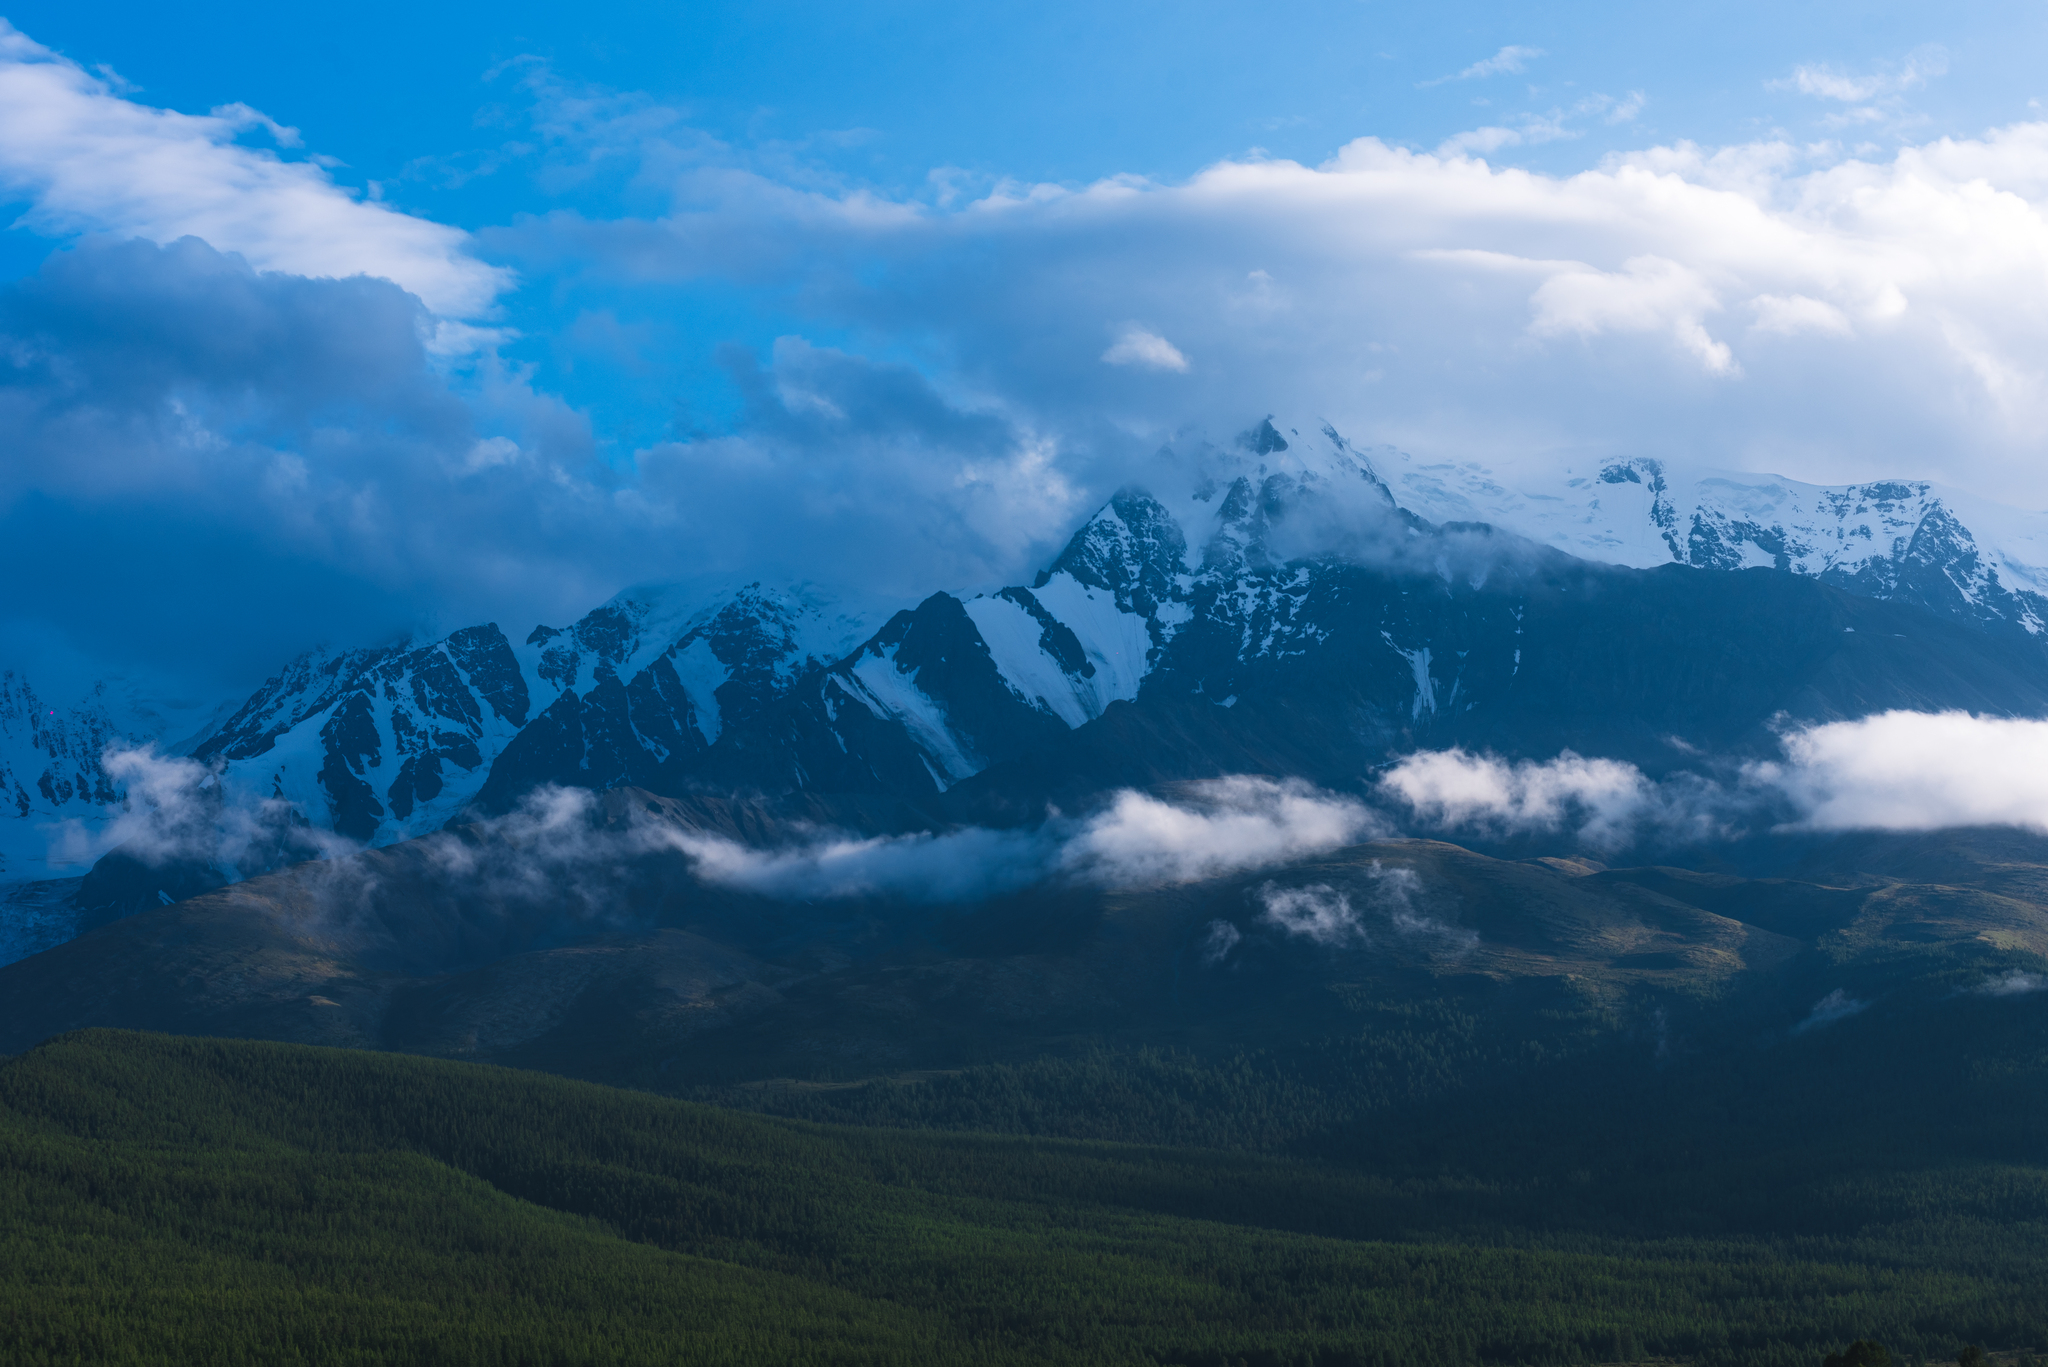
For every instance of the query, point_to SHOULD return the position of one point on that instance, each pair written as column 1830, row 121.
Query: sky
column 349, row 322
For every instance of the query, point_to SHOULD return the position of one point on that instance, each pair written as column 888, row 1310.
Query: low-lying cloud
column 1375, row 905
column 177, row 811
column 1317, row 912
column 1204, row 830
column 2016, row 983
column 1894, row 771
column 1837, row 1005
column 1599, row 798
column 1915, row 771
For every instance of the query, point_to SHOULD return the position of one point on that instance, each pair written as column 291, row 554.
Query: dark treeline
column 167, row 1200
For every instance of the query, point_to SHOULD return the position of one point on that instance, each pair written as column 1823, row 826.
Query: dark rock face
column 1134, row 549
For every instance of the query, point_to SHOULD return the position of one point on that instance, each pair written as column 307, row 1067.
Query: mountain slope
column 208, row 1200
column 1908, row 541
column 384, row 744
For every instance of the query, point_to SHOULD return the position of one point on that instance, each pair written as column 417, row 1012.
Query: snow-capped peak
column 1913, row 540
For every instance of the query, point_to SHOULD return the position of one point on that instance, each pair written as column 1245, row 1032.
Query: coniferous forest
column 173, row 1199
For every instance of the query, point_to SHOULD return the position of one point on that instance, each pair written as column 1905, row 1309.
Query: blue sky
column 350, row 320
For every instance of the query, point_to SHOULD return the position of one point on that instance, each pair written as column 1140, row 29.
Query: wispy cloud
column 1380, row 904
column 175, row 811
column 1836, row 1006
column 1828, row 82
column 2013, row 984
column 1510, row 60
column 1206, row 829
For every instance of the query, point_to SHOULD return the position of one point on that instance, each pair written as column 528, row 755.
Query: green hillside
column 180, row 1200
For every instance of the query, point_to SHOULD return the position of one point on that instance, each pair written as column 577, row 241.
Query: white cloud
column 1826, row 82
column 1317, row 912
column 90, row 160
column 1835, row 1006
column 1144, row 348
column 1214, row 827
column 174, row 810
column 1601, row 798
column 1328, row 916
column 1648, row 294
column 1915, row 771
column 1483, row 141
column 1789, row 315
column 1508, row 61
column 1210, row 828
column 1893, row 771
column 1552, row 319
column 2013, row 984
column 1222, row 937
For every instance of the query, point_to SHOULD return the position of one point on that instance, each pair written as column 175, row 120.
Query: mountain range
column 1281, row 602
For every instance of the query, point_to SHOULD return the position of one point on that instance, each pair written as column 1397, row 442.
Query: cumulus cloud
column 1141, row 347
column 1213, row 827
column 256, row 458
column 1601, row 799
column 265, row 455
column 90, row 160
column 1648, row 294
column 263, row 462
column 1915, row 771
column 1896, row 771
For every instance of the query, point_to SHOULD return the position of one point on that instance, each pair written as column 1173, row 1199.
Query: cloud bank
column 1205, row 830
column 1600, row 798
column 1893, row 771
column 1799, row 308
column 1916, row 771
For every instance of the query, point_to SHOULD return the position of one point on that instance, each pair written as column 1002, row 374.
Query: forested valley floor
column 168, row 1199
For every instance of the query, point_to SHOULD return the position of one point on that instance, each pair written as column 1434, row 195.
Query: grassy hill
column 169, row 1200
